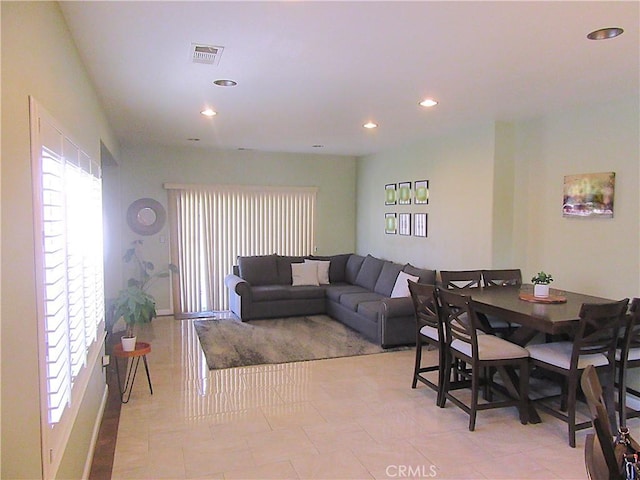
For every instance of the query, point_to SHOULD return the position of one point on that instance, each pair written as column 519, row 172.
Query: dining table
column 553, row 315
column 557, row 314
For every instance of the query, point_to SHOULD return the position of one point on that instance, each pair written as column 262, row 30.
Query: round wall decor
column 146, row 216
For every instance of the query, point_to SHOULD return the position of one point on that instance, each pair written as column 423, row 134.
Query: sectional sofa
column 367, row 294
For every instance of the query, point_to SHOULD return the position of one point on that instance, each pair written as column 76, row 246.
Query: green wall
column 596, row 256
column 38, row 59
column 496, row 199
column 144, row 170
column 459, row 167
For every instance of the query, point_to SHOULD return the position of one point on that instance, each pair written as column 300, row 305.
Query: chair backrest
column 460, row 321
column 600, row 419
column 454, row 279
column 632, row 329
column 598, row 330
column 502, row 278
column 425, row 306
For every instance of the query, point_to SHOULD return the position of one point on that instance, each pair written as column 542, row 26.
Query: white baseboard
column 96, row 432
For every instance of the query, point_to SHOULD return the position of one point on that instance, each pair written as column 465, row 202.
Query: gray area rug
column 231, row 343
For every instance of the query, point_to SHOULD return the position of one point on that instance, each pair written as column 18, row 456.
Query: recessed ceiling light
column 225, row 83
column 208, row 112
column 605, row 33
column 428, row 102
column 370, row 125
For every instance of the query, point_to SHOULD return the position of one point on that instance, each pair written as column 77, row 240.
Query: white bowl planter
column 541, row 290
column 128, row 344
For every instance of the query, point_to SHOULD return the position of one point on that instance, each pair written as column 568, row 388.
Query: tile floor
column 343, row 418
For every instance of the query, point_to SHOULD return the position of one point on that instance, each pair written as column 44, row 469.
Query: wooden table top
column 142, row 348
column 553, row 318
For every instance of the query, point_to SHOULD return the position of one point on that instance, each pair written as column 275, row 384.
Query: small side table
column 141, row 350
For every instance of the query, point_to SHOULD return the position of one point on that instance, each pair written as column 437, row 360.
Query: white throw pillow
column 401, row 288
column 304, row 274
column 323, row 270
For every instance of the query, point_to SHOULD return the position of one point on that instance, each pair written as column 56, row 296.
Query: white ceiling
column 313, row 72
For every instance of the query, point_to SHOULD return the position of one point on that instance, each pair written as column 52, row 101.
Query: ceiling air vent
column 207, row 54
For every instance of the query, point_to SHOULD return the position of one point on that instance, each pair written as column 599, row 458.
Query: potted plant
column 541, row 283
column 134, row 304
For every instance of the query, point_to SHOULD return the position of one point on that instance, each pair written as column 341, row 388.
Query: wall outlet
column 105, row 360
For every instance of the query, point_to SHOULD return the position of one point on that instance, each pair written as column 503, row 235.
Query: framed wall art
column 404, row 193
column 420, row 224
column 390, row 225
column 421, row 192
column 589, row 195
column 404, row 224
column 390, row 194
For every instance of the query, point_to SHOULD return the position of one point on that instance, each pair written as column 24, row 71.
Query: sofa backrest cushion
column 337, row 267
column 387, row 278
column 369, row 272
column 424, row 275
column 352, row 268
column 259, row 269
column 284, row 268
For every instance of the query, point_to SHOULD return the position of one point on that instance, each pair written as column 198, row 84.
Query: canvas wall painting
column 404, row 223
column 404, row 193
column 390, row 194
column 420, row 224
column 589, row 195
column 390, row 223
column 421, row 192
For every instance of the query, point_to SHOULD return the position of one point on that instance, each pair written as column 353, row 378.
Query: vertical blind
column 213, row 225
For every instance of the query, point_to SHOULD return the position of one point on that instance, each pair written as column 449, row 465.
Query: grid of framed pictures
column 406, row 193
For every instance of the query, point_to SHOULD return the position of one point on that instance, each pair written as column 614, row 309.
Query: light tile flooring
column 343, row 418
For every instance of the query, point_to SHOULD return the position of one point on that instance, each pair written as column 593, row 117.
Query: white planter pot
column 128, row 344
column 540, row 290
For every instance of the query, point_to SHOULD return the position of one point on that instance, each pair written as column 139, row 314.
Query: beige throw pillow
column 304, row 274
column 401, row 288
column 323, row 270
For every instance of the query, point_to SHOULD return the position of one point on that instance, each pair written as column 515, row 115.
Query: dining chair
column 469, row 279
column 628, row 356
column 594, row 344
column 601, row 459
column 502, row 278
column 464, row 341
column 456, row 279
column 429, row 331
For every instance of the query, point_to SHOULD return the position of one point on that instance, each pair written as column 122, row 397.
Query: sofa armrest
column 397, row 307
column 237, row 285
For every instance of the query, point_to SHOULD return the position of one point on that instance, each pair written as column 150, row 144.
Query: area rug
column 231, row 343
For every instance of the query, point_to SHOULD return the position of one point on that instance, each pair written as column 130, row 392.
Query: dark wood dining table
column 532, row 317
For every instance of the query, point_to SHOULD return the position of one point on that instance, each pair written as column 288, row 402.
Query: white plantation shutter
column 216, row 224
column 69, row 269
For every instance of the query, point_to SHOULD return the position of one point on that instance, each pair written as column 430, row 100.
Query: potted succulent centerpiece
column 134, row 304
column 541, row 283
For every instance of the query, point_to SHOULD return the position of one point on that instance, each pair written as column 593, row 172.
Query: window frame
column 54, row 437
